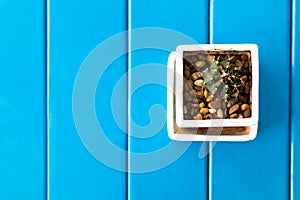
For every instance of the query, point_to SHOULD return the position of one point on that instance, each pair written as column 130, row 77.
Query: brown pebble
column 198, row 117
column 244, row 57
column 238, row 63
column 244, row 107
column 186, row 67
column 234, row 115
column 201, row 57
column 199, row 88
column 247, row 113
column 212, row 110
column 244, row 78
column 231, row 102
column 241, row 98
column 235, row 94
column 185, row 110
column 194, row 105
column 202, row 105
column 199, row 94
column 246, row 64
column 187, row 96
column 216, row 104
column 220, row 113
column 209, row 99
column 233, row 108
column 190, row 82
column 208, row 116
column 187, row 73
column 204, row 111
column 200, row 64
column 240, row 116
column 192, row 93
column 196, row 75
column 206, row 93
column 247, row 88
column 199, row 82
column 210, row 58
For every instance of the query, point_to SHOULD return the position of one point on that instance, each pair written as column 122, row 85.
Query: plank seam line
column 128, row 96
column 47, row 41
column 292, row 64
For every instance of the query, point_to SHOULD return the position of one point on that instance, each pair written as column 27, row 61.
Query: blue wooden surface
column 295, row 107
column 22, row 100
column 185, row 178
column 258, row 169
column 76, row 28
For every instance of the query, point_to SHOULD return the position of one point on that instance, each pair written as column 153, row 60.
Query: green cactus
column 213, row 80
column 223, row 78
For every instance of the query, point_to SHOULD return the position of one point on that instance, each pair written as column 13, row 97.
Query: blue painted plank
column 295, row 139
column 153, row 173
column 258, row 169
column 76, row 28
column 22, row 100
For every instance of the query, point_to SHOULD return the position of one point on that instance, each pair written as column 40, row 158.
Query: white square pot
column 176, row 79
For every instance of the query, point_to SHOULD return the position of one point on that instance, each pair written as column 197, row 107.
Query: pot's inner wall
column 217, row 85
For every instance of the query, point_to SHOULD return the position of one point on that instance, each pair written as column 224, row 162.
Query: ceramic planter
column 215, row 92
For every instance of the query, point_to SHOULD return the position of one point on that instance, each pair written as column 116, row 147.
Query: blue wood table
column 83, row 101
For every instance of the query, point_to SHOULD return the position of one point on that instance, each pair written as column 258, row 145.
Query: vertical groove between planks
column 211, row 20
column 293, row 28
column 128, row 94
column 209, row 171
column 47, row 41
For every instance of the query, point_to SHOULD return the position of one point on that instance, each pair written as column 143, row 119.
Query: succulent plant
column 223, row 79
column 213, row 80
